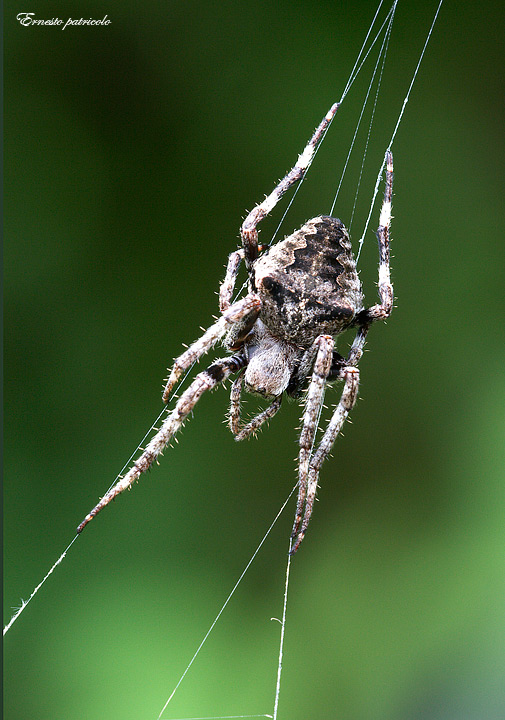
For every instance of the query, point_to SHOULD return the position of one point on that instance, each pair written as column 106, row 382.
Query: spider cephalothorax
column 302, row 292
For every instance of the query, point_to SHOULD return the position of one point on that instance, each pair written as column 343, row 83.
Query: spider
column 302, row 292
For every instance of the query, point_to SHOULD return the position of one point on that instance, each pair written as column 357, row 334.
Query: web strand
column 354, row 74
column 226, row 603
column 400, row 117
column 24, row 603
column 283, row 629
column 370, row 125
column 351, row 76
column 382, row 54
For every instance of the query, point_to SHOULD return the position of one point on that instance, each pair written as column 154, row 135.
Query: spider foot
column 298, row 542
column 296, row 526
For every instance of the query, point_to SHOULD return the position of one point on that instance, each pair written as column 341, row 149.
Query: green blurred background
column 132, row 152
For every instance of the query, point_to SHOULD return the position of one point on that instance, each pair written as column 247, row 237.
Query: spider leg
column 345, row 405
column 228, row 284
column 313, row 405
column 382, row 311
column 248, row 231
column 384, row 308
column 250, row 305
column 253, row 425
column 243, row 432
column 234, row 413
column 206, row 380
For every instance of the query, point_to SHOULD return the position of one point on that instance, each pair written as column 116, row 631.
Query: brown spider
column 302, row 292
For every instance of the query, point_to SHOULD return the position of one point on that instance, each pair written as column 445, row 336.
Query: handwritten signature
column 28, row 18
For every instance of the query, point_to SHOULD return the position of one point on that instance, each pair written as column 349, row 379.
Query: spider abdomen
column 308, row 282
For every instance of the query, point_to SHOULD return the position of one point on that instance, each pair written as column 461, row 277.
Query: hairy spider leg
column 248, row 231
column 345, row 405
column 234, row 411
column 228, row 285
column 243, row 432
column 379, row 312
column 251, row 304
column 310, row 420
column 216, row 373
column 386, row 295
column 253, row 425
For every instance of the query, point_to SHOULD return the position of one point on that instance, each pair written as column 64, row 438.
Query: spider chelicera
column 303, row 291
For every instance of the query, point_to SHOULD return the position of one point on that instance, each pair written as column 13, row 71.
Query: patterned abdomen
column 308, row 282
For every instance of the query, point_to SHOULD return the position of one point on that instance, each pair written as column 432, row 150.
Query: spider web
column 373, row 38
